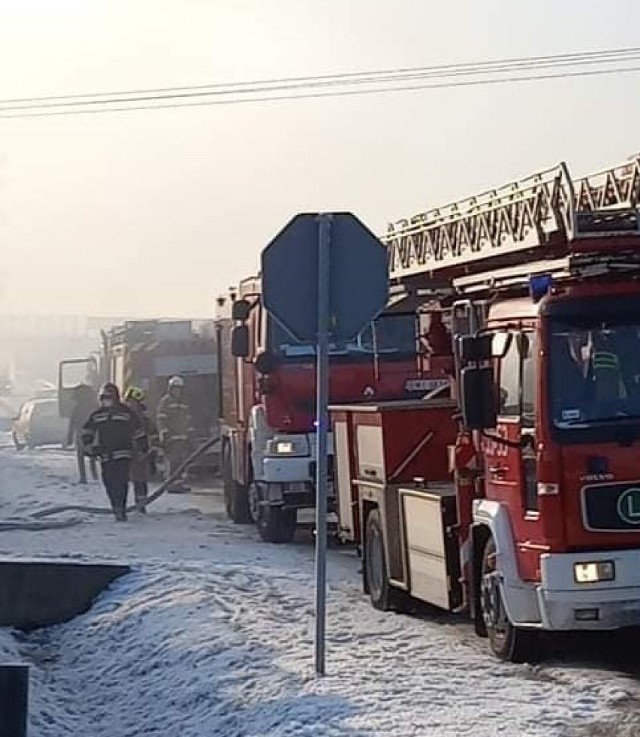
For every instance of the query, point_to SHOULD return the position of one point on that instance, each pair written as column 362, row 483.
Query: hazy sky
column 157, row 212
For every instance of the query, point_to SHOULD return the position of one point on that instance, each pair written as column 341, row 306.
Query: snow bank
column 198, row 651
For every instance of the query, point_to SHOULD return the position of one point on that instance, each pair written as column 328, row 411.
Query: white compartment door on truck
column 431, row 547
column 343, row 472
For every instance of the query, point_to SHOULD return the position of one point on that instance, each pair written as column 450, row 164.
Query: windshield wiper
column 615, row 419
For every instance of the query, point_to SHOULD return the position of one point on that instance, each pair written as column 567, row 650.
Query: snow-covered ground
column 211, row 634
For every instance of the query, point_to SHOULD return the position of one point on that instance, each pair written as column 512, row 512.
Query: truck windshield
column 595, row 371
column 391, row 337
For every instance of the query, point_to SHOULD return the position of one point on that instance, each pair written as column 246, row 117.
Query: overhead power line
column 294, row 84
column 592, row 57
column 349, row 83
column 316, row 95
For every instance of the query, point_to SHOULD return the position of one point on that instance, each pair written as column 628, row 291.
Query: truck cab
column 559, row 457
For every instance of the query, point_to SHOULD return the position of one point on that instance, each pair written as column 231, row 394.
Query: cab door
column 503, row 460
column 72, row 373
column 510, row 457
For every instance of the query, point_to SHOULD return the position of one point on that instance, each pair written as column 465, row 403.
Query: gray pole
column 322, row 412
column 14, row 695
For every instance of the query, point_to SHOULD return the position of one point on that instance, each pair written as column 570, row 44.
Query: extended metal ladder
column 542, row 215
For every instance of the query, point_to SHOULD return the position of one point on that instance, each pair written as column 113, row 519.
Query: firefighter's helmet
column 176, row 381
column 134, row 394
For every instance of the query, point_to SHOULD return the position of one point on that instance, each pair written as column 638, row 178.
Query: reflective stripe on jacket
column 113, row 433
column 174, row 418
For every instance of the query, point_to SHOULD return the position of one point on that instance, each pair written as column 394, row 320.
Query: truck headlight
column 284, row 447
column 593, row 572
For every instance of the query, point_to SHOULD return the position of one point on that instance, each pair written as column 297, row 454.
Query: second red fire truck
column 268, row 401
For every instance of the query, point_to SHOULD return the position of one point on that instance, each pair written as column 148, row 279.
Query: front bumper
column 290, row 469
column 604, row 605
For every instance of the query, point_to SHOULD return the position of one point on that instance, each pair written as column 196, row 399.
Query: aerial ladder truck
column 514, row 498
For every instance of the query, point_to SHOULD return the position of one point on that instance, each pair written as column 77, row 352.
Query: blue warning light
column 539, row 285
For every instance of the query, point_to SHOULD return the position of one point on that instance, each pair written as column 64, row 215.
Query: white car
column 39, row 424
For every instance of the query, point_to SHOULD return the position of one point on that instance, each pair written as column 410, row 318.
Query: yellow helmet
column 134, row 394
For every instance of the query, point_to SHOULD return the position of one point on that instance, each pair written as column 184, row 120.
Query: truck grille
column 307, row 499
column 612, row 507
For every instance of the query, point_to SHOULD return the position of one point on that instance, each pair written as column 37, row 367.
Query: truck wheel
column 277, row 525
column 507, row 642
column 254, row 502
column 236, row 500
column 375, row 565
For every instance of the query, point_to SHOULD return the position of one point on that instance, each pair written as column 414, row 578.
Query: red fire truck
column 516, row 499
column 146, row 354
column 268, row 391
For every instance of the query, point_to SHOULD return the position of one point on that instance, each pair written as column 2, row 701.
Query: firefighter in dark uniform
column 113, row 434
column 139, row 473
column 174, row 425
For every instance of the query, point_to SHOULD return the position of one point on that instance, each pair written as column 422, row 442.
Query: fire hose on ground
column 36, row 521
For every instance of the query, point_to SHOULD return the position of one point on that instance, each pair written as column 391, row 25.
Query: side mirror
column 240, row 310
column 475, row 348
column 240, row 341
column 478, row 398
column 265, row 363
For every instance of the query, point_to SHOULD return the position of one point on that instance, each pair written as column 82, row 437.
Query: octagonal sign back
column 358, row 282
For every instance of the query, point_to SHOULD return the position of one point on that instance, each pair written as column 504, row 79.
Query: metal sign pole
column 322, row 416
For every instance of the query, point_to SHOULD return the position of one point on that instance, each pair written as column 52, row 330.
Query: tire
column 236, row 500
column 254, row 502
column 277, row 525
column 507, row 642
column 479, row 624
column 253, row 492
column 375, row 564
column 19, row 446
